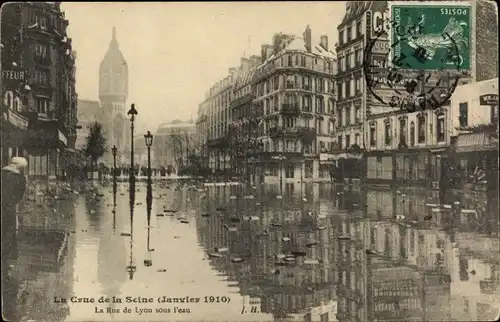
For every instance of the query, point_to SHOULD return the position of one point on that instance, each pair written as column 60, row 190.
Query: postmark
column 419, row 69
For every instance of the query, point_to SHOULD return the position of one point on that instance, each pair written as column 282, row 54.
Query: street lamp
column 149, row 141
column 132, row 112
column 113, row 150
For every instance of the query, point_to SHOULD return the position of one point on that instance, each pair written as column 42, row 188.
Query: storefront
column 475, row 159
column 46, row 146
column 14, row 133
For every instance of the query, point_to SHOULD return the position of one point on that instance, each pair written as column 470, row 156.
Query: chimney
column 324, row 42
column 263, row 52
column 307, row 38
column 277, row 42
column 245, row 63
column 256, row 60
column 269, row 51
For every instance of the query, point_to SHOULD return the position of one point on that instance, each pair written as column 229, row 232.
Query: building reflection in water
column 45, row 261
column 262, row 230
column 400, row 259
column 368, row 254
column 111, row 254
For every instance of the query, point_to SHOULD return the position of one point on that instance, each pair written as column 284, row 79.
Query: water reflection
column 307, row 252
column 45, row 256
column 387, row 254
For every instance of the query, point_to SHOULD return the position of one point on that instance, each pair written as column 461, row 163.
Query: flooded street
column 310, row 252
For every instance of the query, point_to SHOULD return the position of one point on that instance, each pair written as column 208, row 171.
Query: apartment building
column 38, row 84
column 295, row 94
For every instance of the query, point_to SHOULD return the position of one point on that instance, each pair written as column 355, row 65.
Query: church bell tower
column 113, row 93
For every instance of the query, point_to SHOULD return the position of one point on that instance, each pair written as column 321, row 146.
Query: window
column 41, row 77
column 319, row 105
column 412, row 133
column 290, row 81
column 296, row 60
column 339, row 90
column 303, row 61
column 388, row 133
column 42, row 105
column 494, row 114
column 340, row 62
column 339, row 140
column 40, row 50
column 289, row 61
column 421, row 129
column 43, row 22
column 348, row 60
column 276, row 82
column 306, row 103
column 356, row 139
column 357, row 115
column 319, row 85
column 358, row 86
column 341, row 37
column 353, row 59
column 359, row 27
column 348, row 116
column 463, row 114
column 346, row 89
column 347, row 141
column 349, row 33
column 440, row 128
column 402, row 131
column 306, row 82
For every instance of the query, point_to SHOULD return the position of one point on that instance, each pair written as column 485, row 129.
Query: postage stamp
column 427, row 33
column 419, row 69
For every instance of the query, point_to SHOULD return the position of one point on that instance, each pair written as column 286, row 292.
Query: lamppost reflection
column 148, row 261
column 131, row 268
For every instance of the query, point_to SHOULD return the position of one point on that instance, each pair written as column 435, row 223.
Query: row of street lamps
column 149, row 142
column 131, row 268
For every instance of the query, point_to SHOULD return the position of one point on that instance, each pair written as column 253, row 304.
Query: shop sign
column 14, row 75
column 326, row 157
column 488, row 99
column 16, row 119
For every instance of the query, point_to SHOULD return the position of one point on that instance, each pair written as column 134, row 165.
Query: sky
column 176, row 51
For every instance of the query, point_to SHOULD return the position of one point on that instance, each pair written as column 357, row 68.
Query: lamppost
column 113, row 150
column 132, row 112
column 149, row 141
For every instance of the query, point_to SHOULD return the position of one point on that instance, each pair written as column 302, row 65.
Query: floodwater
column 316, row 252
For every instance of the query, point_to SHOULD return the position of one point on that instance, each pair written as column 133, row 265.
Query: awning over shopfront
column 14, row 127
column 46, row 135
column 472, row 142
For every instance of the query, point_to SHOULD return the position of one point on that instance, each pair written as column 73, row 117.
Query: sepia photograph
column 259, row 161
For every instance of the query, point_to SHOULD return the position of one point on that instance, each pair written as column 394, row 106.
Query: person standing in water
column 13, row 188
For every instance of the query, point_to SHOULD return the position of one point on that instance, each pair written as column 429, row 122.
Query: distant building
column 173, row 143
column 88, row 113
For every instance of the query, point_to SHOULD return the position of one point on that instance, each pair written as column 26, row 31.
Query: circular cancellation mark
column 406, row 81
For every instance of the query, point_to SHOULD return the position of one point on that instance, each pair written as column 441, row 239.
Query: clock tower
column 113, row 92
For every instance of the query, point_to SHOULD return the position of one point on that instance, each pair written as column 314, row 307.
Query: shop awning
column 471, row 142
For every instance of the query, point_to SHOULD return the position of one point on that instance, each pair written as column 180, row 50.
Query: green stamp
column 431, row 37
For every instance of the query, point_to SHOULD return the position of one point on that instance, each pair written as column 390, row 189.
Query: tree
column 95, row 145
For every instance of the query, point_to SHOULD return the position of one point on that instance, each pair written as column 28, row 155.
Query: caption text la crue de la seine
column 142, row 300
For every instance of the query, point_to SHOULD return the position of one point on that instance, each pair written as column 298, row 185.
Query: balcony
column 307, row 135
column 290, row 109
column 275, row 132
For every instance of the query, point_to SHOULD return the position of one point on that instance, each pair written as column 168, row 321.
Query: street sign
column 488, row 99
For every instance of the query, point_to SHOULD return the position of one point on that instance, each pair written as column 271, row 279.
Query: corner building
column 295, row 94
column 352, row 95
column 413, row 148
column 38, row 87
